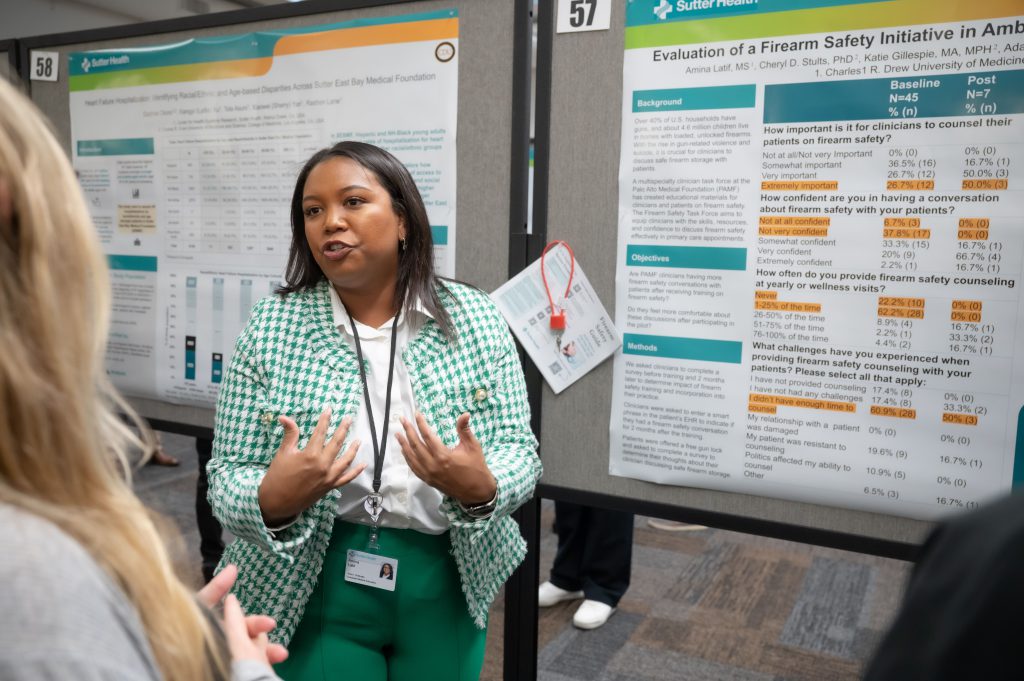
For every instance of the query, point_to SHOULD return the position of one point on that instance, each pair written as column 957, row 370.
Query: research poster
column 821, row 232
column 188, row 155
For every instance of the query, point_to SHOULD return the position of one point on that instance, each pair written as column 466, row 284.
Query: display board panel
column 819, row 253
column 587, row 109
column 486, row 62
column 8, row 55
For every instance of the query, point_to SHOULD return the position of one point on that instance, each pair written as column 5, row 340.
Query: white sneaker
column 673, row 525
column 592, row 614
column 548, row 594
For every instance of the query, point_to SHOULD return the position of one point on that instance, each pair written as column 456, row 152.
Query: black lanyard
column 381, row 448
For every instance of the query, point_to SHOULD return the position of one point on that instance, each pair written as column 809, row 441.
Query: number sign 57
column 584, row 15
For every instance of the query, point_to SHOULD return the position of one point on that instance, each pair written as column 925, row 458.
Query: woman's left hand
column 460, row 472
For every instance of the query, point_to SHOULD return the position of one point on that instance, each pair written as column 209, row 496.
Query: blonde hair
column 63, row 449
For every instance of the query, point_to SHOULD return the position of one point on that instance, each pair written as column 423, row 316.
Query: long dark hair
column 416, row 278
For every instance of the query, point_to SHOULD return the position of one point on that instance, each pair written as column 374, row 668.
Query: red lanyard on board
column 557, row 313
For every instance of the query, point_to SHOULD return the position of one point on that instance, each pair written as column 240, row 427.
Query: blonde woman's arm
column 63, row 616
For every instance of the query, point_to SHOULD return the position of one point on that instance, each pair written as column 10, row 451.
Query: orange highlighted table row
column 800, row 185
column 795, row 220
column 985, row 184
column 770, row 230
column 786, row 306
column 901, row 312
column 910, row 185
column 966, row 311
column 895, row 412
column 758, row 400
column 892, row 301
column 901, row 233
column 902, row 222
column 905, row 308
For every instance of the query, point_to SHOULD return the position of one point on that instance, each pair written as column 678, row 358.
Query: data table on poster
column 831, row 220
column 230, row 197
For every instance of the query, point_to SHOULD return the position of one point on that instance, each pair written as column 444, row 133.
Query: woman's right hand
column 298, row 478
column 247, row 636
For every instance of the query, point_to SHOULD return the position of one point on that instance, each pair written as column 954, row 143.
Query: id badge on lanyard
column 371, row 569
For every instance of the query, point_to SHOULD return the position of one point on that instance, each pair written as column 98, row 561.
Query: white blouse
column 409, row 503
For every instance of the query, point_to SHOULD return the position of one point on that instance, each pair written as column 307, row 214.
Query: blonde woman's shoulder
column 63, row 616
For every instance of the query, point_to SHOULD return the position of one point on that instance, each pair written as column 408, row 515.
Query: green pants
column 420, row 631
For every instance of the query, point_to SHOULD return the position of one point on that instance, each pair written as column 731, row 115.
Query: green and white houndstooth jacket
column 291, row 360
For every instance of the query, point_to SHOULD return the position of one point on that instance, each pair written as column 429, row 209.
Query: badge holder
column 370, row 567
column 557, row 319
column 374, row 505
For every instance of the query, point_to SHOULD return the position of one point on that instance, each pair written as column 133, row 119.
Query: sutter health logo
column 666, row 7
column 97, row 62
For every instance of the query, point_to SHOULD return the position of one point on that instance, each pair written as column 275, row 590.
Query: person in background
column 593, row 562
column 159, row 456
column 211, row 534
column 963, row 611
column 88, row 590
column 372, row 411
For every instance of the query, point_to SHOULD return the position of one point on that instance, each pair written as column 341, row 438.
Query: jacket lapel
column 425, row 351
column 325, row 339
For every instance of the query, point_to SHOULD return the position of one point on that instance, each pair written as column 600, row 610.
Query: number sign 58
column 45, row 65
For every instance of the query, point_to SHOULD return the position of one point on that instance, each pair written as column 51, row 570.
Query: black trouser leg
column 211, row 541
column 595, row 551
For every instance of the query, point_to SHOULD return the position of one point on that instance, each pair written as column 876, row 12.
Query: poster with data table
column 188, row 154
column 820, row 247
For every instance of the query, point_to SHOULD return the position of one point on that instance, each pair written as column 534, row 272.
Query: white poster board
column 820, row 251
column 188, row 154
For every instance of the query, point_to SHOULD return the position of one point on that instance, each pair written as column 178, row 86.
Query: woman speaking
column 373, row 414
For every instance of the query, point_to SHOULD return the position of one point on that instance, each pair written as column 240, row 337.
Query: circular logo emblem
column 444, row 52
